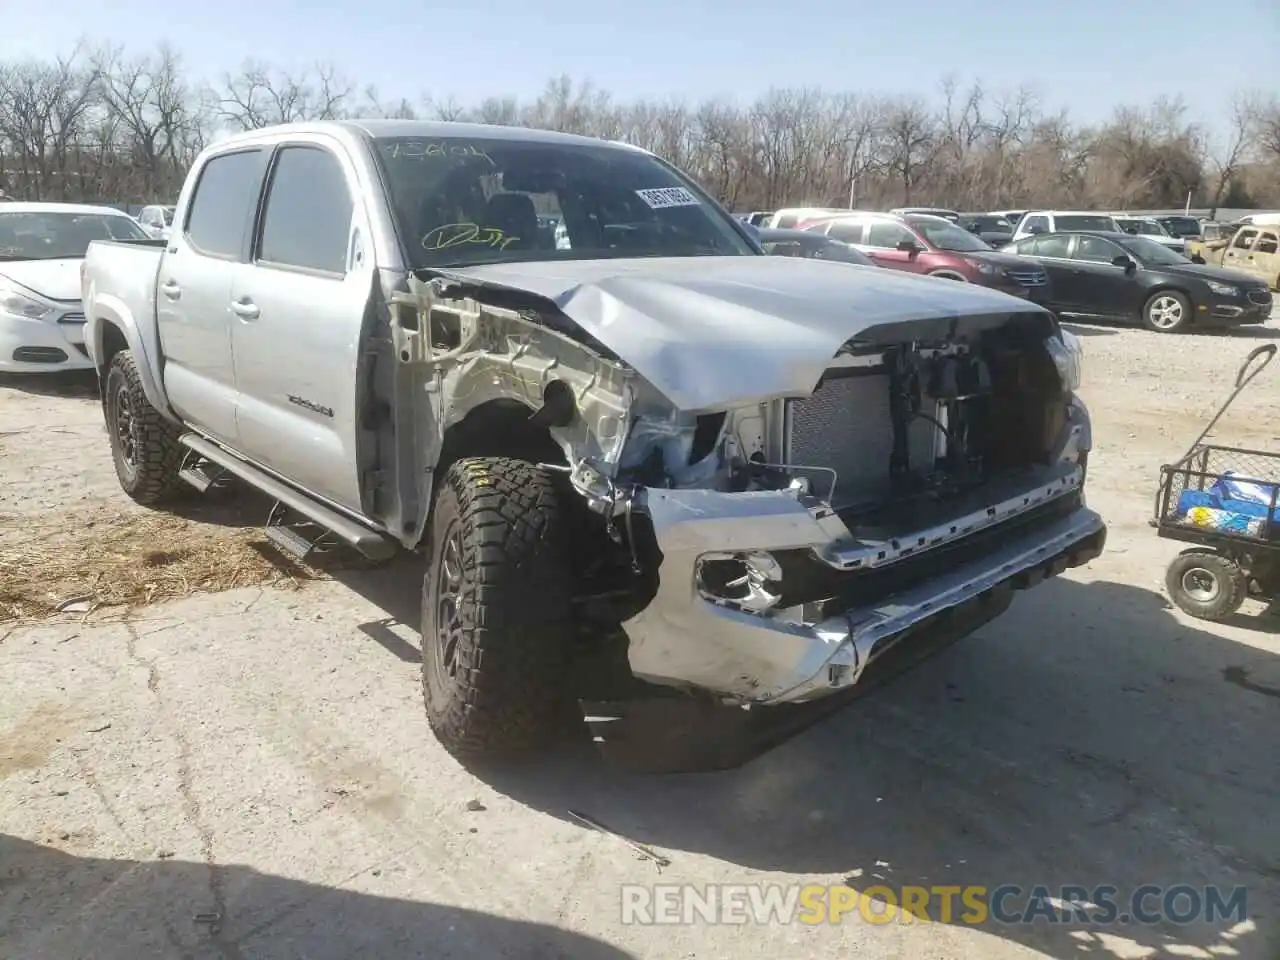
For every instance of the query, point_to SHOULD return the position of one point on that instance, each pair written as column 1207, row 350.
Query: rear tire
column 144, row 443
column 1167, row 311
column 1207, row 586
column 496, row 611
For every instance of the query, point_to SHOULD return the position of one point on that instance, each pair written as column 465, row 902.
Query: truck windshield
column 462, row 201
column 1084, row 221
column 60, row 236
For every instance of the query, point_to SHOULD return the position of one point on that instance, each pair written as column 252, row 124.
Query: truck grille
column 1260, row 297
column 846, row 427
column 1028, row 278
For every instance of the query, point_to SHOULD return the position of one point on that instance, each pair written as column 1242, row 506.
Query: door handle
column 171, row 289
column 245, row 309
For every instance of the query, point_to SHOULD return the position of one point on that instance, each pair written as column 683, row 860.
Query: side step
column 370, row 542
column 200, row 472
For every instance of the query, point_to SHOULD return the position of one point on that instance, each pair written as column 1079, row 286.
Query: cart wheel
column 1208, row 586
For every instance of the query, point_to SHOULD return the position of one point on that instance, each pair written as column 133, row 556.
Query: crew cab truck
column 1250, row 249
column 655, row 473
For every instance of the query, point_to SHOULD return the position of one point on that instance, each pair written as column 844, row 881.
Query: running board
column 201, row 473
column 366, row 540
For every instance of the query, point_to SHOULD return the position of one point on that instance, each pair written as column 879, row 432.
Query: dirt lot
column 259, row 754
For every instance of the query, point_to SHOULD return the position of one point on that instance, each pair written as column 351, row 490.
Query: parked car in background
column 812, row 245
column 924, row 244
column 929, row 211
column 156, row 220
column 1151, row 228
column 1058, row 221
column 1183, row 227
column 991, row 227
column 1254, row 250
column 41, row 248
column 1013, row 216
column 789, row 217
column 1097, row 275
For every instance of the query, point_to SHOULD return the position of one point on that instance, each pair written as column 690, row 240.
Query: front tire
column 496, row 611
column 144, row 443
column 1167, row 312
column 1207, row 586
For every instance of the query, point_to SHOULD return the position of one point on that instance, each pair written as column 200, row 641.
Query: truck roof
column 378, row 128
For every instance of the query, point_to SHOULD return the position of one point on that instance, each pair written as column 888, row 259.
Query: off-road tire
column 506, row 694
column 1227, row 585
column 1148, row 312
column 150, row 476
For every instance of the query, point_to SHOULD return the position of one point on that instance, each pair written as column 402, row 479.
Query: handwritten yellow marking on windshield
column 458, row 234
column 436, row 149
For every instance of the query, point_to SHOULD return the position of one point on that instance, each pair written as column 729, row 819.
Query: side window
column 1267, row 243
column 1036, row 225
column 1053, row 245
column 1244, row 238
column 849, row 231
column 1096, row 250
column 225, row 198
column 307, row 219
column 787, row 221
column 887, row 235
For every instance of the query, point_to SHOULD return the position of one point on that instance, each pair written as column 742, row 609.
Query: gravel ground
column 260, row 755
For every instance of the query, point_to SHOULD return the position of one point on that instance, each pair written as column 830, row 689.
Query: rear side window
column 224, row 201
column 1052, row 245
column 848, row 231
column 307, row 219
column 887, row 235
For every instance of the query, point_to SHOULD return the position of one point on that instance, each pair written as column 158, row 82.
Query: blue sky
column 1085, row 55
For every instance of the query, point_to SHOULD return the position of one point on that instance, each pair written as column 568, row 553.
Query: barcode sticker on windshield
column 660, row 197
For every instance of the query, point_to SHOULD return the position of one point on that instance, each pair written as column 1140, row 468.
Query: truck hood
column 54, row 279
column 711, row 333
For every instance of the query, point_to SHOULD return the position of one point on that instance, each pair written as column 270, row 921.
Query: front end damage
column 777, row 554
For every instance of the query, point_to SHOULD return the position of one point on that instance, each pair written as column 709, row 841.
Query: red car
column 919, row 243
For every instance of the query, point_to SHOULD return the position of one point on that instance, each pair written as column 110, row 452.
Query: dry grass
column 131, row 559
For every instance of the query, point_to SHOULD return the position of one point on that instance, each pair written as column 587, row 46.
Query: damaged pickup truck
column 695, row 492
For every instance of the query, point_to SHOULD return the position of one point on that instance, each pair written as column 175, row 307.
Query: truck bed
column 126, row 272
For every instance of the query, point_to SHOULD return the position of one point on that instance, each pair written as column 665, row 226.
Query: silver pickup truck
column 731, row 483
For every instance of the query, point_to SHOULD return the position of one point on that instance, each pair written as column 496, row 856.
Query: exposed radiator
column 846, row 426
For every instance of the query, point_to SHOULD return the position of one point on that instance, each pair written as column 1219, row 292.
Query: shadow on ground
column 1086, row 738
column 79, row 384
column 53, row 904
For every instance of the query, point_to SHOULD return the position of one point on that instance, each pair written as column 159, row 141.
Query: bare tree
column 259, row 96
column 1232, row 148
column 124, row 126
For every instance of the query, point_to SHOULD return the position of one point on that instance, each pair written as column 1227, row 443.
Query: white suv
column 1056, row 221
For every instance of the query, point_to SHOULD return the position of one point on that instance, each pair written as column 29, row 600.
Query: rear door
column 1096, row 286
column 1053, row 252
column 881, row 245
column 298, row 309
column 193, row 299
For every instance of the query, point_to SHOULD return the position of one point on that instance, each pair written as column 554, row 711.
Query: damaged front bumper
column 686, row 638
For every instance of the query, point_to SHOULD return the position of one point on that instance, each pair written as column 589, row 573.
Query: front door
column 193, row 294
column 881, row 245
column 1239, row 250
column 298, row 307
column 1053, row 252
column 1262, row 259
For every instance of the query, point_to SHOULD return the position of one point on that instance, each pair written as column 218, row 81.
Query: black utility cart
column 1225, row 501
